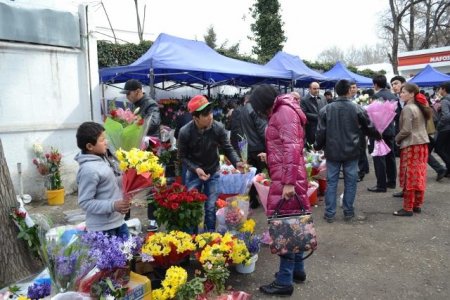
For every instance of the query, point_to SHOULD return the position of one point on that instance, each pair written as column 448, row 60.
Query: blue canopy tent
column 301, row 74
column 339, row 71
column 188, row 62
column 429, row 77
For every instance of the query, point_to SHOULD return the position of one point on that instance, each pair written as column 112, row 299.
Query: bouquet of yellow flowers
column 166, row 249
column 219, row 250
column 176, row 277
column 141, row 170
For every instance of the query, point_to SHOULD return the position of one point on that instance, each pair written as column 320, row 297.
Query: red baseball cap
column 197, row 103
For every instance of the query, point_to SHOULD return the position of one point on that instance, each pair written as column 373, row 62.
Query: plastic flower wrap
column 125, row 129
column 232, row 181
column 167, row 249
column 262, row 184
column 48, row 164
column 381, row 113
column 233, row 214
column 65, row 256
column 110, row 256
column 178, row 208
column 176, row 277
column 141, row 170
column 243, row 150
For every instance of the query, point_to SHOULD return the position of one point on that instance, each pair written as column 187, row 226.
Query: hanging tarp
column 429, row 77
column 186, row 61
column 302, row 75
column 339, row 71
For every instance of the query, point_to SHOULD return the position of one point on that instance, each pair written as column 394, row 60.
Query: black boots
column 275, row 289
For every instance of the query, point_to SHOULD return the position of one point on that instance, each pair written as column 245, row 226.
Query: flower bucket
column 322, row 186
column 55, row 197
column 247, row 268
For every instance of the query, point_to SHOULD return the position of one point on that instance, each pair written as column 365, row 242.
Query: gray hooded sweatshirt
column 98, row 189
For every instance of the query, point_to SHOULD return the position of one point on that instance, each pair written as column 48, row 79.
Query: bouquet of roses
column 141, row 171
column 167, row 249
column 178, row 208
column 125, row 129
column 363, row 100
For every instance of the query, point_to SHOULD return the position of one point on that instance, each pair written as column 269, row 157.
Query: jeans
column 183, row 173
column 350, row 168
column 289, row 263
column 121, row 231
column 210, row 188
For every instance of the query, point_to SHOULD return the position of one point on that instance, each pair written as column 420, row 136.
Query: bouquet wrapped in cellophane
column 65, row 255
column 141, row 170
column 125, row 129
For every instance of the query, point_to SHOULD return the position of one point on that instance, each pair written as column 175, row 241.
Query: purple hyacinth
column 39, row 291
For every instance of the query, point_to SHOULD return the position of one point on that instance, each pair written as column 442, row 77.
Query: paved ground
column 382, row 257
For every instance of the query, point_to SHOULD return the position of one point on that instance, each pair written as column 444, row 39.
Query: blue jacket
column 98, row 189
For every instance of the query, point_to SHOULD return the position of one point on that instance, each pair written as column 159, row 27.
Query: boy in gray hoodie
column 99, row 189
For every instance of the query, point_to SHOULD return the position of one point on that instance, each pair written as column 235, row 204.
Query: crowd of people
column 278, row 127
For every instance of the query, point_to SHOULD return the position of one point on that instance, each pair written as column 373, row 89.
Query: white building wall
column 45, row 94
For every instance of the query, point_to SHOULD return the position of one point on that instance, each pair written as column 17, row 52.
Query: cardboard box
column 139, row 288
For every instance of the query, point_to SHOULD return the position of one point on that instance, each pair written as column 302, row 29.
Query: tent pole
column 152, row 84
column 209, row 91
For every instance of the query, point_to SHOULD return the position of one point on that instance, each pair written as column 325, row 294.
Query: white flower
column 109, row 297
column 127, row 246
column 38, row 149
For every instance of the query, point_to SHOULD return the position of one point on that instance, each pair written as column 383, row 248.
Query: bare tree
column 140, row 26
column 331, row 55
column 109, row 22
column 17, row 261
column 414, row 25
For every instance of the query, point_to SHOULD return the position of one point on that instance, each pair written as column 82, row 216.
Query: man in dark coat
column 385, row 167
column 311, row 105
column 149, row 110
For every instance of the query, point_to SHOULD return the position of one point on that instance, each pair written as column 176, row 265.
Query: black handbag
column 292, row 233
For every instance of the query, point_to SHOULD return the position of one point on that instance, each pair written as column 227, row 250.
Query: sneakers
column 152, row 226
column 403, row 213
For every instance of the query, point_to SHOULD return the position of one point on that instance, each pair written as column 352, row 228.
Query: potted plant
column 48, row 164
column 178, row 208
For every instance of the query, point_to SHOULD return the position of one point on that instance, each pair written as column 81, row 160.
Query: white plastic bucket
column 247, row 268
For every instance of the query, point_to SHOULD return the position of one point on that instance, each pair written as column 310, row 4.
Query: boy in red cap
column 198, row 143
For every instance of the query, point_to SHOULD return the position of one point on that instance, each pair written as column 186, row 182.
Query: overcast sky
column 310, row 26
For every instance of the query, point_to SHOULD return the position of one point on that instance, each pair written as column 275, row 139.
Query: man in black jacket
column 149, row 110
column 338, row 133
column 311, row 105
column 385, row 166
column 198, row 144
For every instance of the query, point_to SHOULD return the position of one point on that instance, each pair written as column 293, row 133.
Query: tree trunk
column 17, row 261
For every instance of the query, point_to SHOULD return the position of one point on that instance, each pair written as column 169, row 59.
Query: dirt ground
column 382, row 257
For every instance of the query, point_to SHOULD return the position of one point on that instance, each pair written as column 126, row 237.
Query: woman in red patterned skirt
column 413, row 139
